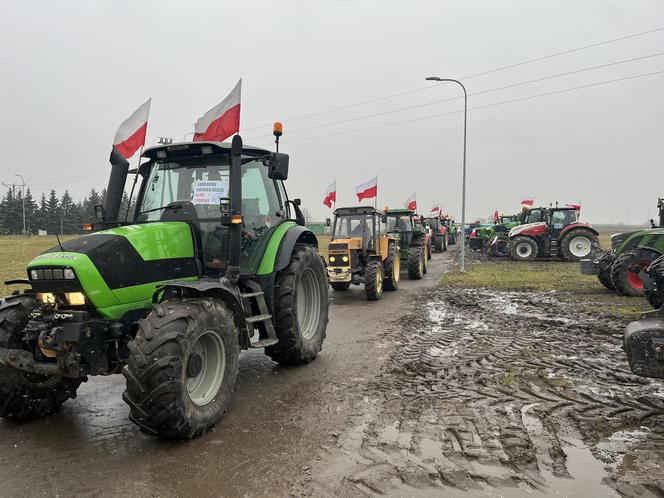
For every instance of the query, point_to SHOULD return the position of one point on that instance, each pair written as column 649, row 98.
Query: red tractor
column 553, row 232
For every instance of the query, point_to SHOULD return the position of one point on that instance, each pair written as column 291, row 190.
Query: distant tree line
column 52, row 212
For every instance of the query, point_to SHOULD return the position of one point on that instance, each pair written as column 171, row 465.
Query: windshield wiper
column 168, row 206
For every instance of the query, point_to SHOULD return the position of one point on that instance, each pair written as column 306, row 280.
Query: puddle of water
column 391, row 434
column 616, row 448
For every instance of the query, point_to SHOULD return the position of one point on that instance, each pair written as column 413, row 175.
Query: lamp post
column 463, row 187
column 23, row 185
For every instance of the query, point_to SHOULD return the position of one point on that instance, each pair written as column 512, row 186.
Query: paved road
column 278, row 426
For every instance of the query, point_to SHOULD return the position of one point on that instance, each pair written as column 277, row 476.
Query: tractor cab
column 191, row 183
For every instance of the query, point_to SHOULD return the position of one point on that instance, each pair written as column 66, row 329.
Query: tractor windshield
column 563, row 217
column 399, row 223
column 353, row 226
column 202, row 183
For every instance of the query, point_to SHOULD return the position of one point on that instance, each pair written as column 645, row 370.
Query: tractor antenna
column 62, row 249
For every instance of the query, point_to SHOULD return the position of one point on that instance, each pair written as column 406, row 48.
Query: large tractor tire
column 427, row 257
column 604, row 275
column 445, row 242
column 392, row 266
column 523, row 249
column 655, row 295
column 24, row 395
column 182, row 367
column 452, row 240
column 438, row 242
column 301, row 308
column 340, row 286
column 578, row 244
column 373, row 280
column 624, row 271
column 416, row 263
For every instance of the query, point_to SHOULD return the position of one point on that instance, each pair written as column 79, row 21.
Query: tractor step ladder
column 553, row 248
column 261, row 321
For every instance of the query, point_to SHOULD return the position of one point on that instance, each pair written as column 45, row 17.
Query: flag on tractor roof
column 368, row 190
column 331, row 194
column 496, row 216
column 131, row 135
column 528, row 202
column 411, row 203
column 574, row 206
column 436, row 209
column 223, row 120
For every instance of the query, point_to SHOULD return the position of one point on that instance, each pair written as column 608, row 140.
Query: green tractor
column 414, row 253
column 623, row 268
column 484, row 236
column 452, row 229
column 215, row 260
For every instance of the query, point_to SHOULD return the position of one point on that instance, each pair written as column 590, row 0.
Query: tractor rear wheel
column 655, row 295
column 445, row 242
column 604, row 275
column 340, row 286
column 578, row 244
column 182, row 367
column 392, row 266
column 438, row 242
column 415, row 263
column 624, row 271
column 373, row 280
column 301, row 308
column 25, row 395
column 523, row 249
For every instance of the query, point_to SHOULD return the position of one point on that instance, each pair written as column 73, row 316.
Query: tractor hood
column 529, row 228
column 120, row 267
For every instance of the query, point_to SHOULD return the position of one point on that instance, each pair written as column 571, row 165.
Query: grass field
column 17, row 251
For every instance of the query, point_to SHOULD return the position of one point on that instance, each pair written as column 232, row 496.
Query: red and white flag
column 331, row 194
column 496, row 216
column 436, row 209
column 411, row 203
column 131, row 135
column 528, row 202
column 223, row 120
column 368, row 190
column 576, row 207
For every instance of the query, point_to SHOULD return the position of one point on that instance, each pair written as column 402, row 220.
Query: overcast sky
column 73, row 70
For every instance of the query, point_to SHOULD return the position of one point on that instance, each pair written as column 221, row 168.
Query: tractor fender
column 530, row 229
column 218, row 289
column 573, row 226
column 296, row 234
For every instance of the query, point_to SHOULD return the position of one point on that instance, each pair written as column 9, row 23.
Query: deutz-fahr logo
column 56, row 255
column 62, row 316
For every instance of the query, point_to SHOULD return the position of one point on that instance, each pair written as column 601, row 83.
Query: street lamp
column 23, row 185
column 463, row 188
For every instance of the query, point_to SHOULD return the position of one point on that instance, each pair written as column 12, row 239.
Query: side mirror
column 328, row 222
column 100, row 213
column 652, row 224
column 278, row 166
column 297, row 202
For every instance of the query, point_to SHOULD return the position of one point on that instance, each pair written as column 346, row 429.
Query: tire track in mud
column 492, row 389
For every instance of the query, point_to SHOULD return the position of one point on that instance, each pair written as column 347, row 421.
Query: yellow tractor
column 360, row 252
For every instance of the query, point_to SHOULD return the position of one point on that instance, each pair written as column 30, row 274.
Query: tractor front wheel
column 301, row 308
column 340, row 286
column 604, row 275
column 625, row 271
column 523, row 249
column 578, row 244
column 373, row 280
column 24, row 395
column 182, row 367
column 445, row 242
column 438, row 243
column 415, row 263
column 392, row 267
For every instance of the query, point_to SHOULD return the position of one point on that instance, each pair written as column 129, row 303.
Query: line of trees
column 52, row 212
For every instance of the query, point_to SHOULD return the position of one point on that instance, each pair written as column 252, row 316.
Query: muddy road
column 282, row 425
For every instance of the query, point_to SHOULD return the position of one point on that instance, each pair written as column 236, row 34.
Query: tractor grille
column 337, row 247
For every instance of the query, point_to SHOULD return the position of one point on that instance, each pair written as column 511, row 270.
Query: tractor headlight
column 345, row 259
column 46, row 297
column 332, row 259
column 75, row 298
column 69, row 274
column 34, row 275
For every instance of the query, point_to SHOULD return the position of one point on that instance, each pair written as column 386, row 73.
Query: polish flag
column 222, row 121
column 368, row 190
column 528, row 202
column 496, row 216
column 331, row 194
column 131, row 135
column 436, row 209
column 576, row 207
column 411, row 203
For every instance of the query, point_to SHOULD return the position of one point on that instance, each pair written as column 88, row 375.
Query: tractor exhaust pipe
column 116, row 184
column 235, row 228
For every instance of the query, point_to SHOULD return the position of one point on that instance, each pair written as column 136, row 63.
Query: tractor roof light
column 278, row 129
column 236, row 219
